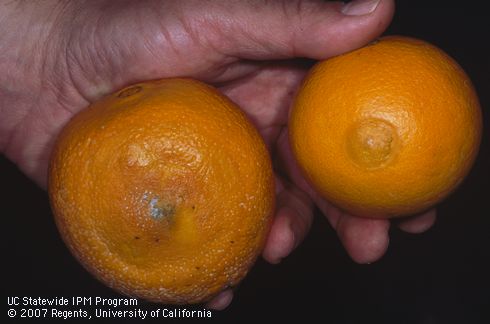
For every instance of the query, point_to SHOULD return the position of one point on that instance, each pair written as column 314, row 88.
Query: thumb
column 312, row 29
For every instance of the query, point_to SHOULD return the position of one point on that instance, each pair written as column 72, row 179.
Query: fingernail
column 359, row 7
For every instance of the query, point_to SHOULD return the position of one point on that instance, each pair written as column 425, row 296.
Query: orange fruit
column 163, row 190
column 387, row 130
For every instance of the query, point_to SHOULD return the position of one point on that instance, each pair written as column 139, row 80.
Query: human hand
column 59, row 56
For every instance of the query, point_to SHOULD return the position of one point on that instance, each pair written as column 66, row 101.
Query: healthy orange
column 163, row 190
column 386, row 130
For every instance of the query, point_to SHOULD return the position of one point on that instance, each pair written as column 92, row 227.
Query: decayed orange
column 386, row 130
column 163, row 190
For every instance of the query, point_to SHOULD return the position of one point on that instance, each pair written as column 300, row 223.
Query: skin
column 56, row 57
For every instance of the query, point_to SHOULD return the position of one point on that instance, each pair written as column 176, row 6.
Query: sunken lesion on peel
column 372, row 142
column 158, row 208
column 172, row 215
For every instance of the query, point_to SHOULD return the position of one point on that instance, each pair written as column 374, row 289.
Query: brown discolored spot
column 129, row 91
column 136, row 237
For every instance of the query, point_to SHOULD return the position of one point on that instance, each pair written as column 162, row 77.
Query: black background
column 441, row 276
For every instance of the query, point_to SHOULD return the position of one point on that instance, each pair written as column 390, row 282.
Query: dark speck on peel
column 129, row 91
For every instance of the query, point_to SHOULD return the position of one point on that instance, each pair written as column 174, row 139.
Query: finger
column 266, row 95
column 418, row 224
column 290, row 226
column 313, row 29
column 124, row 44
column 221, row 301
column 365, row 239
